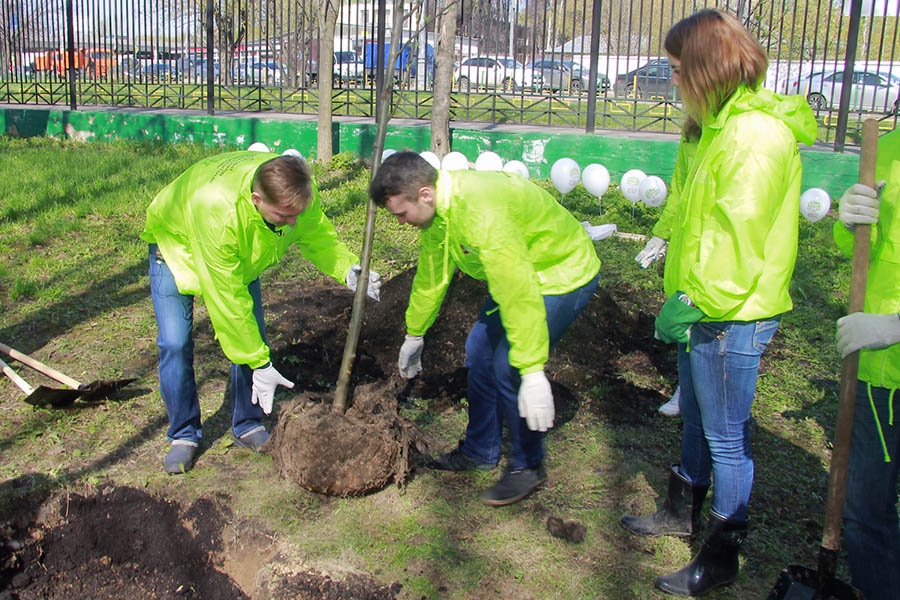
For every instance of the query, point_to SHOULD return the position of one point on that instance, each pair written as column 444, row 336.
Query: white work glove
column 536, row 401
column 374, row 290
column 867, row 330
column 265, row 380
column 654, row 249
column 859, row 206
column 410, row 360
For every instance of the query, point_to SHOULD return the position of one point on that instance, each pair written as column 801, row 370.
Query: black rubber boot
column 680, row 513
column 714, row 566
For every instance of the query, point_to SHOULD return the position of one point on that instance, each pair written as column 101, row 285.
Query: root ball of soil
column 348, row 454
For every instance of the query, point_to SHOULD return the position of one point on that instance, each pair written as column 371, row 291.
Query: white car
column 870, row 91
column 507, row 74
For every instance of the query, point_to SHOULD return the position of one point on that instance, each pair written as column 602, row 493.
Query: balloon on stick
column 814, row 204
column 516, row 166
column 565, row 175
column 258, row 147
column 595, row 179
column 431, row 158
column 652, row 191
column 292, row 152
column 455, row 161
column 387, row 153
column 630, row 185
column 488, row 161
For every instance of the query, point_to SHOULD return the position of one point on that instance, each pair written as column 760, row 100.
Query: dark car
column 159, row 72
column 651, row 81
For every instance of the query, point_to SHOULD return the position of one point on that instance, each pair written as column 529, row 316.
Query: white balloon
column 258, row 147
column 431, row 158
column 630, row 183
column 516, row 166
column 292, row 152
column 595, row 179
column 652, row 191
column 488, row 161
column 565, row 175
column 387, row 153
column 455, row 161
column 814, row 204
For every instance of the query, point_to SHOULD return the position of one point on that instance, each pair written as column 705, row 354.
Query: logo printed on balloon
column 595, row 179
column 652, row 191
column 630, row 185
column 814, row 204
column 565, row 175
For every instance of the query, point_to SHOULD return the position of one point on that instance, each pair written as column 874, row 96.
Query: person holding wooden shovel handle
column 871, row 528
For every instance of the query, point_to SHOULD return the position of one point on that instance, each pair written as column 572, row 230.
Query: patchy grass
column 74, row 292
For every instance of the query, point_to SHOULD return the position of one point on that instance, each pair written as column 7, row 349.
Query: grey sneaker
column 253, row 439
column 180, row 458
column 515, row 485
column 455, row 460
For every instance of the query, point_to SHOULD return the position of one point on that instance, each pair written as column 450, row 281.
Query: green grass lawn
column 74, row 292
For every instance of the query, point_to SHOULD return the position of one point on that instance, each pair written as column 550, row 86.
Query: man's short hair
column 284, row 181
column 404, row 174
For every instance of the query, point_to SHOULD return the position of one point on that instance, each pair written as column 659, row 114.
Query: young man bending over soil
column 541, row 270
column 211, row 232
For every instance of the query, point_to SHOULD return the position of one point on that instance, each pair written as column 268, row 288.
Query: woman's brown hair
column 717, row 54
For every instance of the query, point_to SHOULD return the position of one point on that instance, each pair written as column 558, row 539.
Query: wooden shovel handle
column 20, row 383
column 840, row 455
column 39, row 366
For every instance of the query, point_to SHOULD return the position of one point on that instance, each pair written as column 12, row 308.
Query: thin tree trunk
column 443, row 78
column 327, row 21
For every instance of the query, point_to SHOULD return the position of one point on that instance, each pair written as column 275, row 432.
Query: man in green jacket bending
column 212, row 232
column 541, row 270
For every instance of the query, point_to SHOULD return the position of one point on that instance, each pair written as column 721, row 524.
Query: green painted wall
column 537, row 147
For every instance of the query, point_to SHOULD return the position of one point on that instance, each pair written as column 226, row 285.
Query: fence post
column 210, row 61
column 592, row 72
column 849, row 60
column 70, row 53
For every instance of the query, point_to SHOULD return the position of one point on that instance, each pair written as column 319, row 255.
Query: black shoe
column 514, row 485
column 680, row 513
column 455, row 460
column 180, row 458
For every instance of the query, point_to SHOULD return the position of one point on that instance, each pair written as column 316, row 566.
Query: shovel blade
column 45, row 396
column 801, row 583
column 97, row 390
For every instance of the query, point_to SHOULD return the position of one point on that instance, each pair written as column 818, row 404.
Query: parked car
column 348, row 68
column 869, row 91
column 507, row 74
column 265, row 73
column 159, row 72
column 565, row 75
column 653, row 80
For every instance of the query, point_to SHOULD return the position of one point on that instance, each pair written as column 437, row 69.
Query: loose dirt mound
column 122, row 543
column 345, row 454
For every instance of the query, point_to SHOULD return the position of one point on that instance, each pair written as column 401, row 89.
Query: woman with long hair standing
column 732, row 248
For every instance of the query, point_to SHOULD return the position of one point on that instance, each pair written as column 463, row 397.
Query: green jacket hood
column 793, row 111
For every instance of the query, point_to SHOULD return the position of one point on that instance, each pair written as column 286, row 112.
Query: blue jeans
column 718, row 382
column 493, row 384
column 871, row 529
column 175, row 319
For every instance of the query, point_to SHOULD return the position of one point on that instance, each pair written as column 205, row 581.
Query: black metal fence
column 516, row 61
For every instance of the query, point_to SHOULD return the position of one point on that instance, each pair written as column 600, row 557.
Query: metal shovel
column 42, row 395
column 797, row 582
column 90, row 391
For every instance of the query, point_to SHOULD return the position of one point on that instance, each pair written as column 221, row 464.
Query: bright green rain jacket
column 216, row 243
column 881, row 368
column 503, row 229
column 734, row 217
